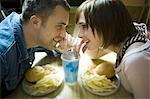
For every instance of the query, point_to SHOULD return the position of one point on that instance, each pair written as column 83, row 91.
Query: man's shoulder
column 7, row 28
column 6, row 45
column 10, row 19
column 6, row 34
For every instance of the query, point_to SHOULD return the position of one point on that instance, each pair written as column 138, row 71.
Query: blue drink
column 70, row 64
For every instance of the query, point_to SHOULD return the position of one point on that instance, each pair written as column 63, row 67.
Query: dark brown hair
column 109, row 18
column 42, row 8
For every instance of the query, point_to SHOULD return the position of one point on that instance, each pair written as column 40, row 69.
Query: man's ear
column 35, row 21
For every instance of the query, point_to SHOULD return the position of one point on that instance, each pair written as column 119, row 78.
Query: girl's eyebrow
column 81, row 23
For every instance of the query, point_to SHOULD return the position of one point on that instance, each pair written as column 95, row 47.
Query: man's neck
column 29, row 38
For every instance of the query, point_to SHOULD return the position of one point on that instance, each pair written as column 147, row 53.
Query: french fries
column 98, row 83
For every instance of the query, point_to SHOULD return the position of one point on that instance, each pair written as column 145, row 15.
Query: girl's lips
column 86, row 41
column 85, row 46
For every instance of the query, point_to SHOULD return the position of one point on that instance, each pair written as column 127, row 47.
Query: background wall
column 134, row 2
column 138, row 9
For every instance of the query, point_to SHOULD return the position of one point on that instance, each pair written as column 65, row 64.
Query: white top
column 134, row 71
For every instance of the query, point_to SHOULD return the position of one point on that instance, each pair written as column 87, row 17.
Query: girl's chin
column 91, row 48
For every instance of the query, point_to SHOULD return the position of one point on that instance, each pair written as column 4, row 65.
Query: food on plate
column 47, row 82
column 98, row 83
column 41, row 80
column 48, row 69
column 105, row 68
column 101, row 79
column 34, row 74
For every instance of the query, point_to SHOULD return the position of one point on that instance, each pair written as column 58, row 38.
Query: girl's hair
column 42, row 8
column 109, row 18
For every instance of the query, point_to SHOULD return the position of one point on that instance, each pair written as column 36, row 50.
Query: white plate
column 116, row 80
column 32, row 91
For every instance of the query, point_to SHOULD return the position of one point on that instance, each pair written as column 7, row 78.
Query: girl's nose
column 80, row 34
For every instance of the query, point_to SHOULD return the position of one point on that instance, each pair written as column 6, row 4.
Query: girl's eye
column 83, row 26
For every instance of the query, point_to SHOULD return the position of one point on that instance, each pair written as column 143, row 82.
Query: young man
column 42, row 23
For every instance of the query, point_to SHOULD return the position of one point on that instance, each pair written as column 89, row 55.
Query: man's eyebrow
column 62, row 23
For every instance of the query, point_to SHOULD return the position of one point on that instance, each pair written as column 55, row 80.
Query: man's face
column 92, row 41
column 54, row 30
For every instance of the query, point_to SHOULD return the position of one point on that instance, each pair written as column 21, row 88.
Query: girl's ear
column 35, row 21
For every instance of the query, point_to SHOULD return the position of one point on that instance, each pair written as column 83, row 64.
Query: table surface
column 76, row 91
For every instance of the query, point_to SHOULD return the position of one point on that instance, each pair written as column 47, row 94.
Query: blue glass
column 70, row 65
column 71, row 71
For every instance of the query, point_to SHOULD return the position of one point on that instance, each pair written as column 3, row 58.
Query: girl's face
column 85, row 32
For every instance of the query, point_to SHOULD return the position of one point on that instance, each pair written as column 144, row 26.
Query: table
column 76, row 91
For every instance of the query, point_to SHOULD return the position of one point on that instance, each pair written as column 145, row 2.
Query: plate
column 46, row 85
column 104, row 91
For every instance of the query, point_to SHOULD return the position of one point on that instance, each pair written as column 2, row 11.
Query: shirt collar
column 20, row 40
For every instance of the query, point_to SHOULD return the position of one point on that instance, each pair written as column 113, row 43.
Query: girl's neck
column 114, row 48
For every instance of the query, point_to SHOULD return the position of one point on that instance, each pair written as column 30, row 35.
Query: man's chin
column 48, row 48
column 52, row 48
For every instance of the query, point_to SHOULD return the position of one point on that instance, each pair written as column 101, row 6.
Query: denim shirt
column 14, row 56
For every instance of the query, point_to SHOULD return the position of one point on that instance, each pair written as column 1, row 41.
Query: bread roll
column 105, row 68
column 34, row 74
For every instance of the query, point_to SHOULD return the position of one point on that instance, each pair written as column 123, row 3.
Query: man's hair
column 109, row 18
column 41, row 8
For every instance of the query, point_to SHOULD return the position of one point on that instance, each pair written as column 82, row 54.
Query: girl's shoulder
column 145, row 48
column 137, row 56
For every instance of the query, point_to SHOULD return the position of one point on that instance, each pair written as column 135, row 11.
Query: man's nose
column 63, row 33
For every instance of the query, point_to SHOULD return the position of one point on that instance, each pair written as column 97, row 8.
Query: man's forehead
column 60, row 16
column 59, row 9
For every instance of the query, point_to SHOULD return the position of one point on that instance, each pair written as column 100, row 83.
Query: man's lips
column 56, row 44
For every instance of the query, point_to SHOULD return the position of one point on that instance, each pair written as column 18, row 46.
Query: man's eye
column 67, row 28
column 59, row 27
